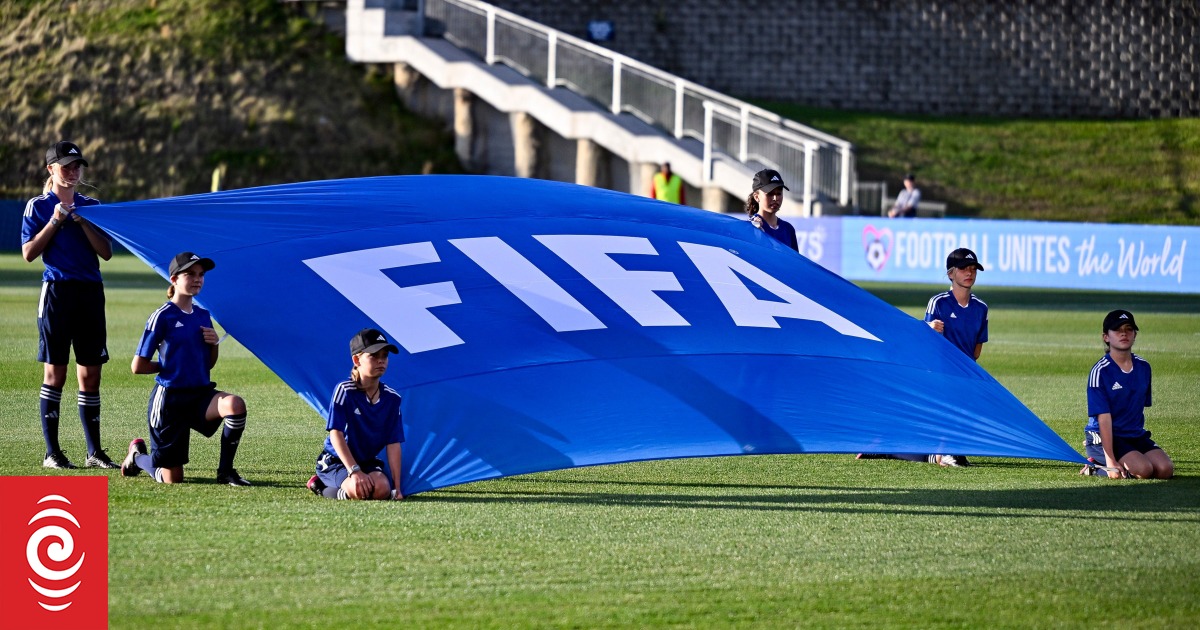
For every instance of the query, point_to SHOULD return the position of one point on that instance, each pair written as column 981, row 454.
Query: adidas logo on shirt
column 953, row 316
column 1117, row 386
column 179, row 324
column 357, row 412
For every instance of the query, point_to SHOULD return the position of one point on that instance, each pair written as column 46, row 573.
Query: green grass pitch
column 766, row 541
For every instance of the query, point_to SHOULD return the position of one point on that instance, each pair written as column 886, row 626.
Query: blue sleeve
column 397, row 434
column 337, row 418
column 1097, row 400
column 931, row 309
column 152, row 337
column 1149, row 384
column 31, row 223
column 983, row 330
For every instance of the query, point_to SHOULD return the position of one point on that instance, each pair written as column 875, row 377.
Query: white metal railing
column 727, row 126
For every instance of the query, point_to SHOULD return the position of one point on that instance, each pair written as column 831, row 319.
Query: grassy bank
column 160, row 94
column 1143, row 171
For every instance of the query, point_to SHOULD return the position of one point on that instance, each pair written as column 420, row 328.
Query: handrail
column 527, row 46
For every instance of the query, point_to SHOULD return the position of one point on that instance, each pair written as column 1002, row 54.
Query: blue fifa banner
column 544, row 325
column 1150, row 258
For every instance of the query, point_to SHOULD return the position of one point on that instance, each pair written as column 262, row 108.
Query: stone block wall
column 1024, row 58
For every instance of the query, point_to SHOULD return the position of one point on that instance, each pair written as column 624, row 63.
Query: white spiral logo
column 59, row 550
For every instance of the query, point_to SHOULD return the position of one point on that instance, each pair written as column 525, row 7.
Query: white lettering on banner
column 633, row 291
column 401, row 311
column 541, row 294
column 1089, row 261
column 926, row 250
column 812, row 243
column 1036, row 253
column 1164, row 264
column 718, row 265
column 404, row 312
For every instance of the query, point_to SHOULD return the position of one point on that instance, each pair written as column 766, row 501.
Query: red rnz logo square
column 54, row 550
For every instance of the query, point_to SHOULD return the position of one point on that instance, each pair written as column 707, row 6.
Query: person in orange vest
column 667, row 186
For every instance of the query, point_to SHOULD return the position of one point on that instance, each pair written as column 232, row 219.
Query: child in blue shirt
column 71, row 308
column 1118, row 392
column 364, row 420
column 962, row 319
column 184, row 398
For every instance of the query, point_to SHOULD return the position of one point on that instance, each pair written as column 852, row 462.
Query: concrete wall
column 1043, row 58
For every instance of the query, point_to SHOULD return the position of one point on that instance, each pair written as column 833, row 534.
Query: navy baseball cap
column 64, row 153
column 184, row 260
column 1118, row 318
column 768, row 180
column 371, row 340
column 962, row 258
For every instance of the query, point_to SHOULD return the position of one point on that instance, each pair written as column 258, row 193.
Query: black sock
column 332, row 492
column 50, row 398
column 89, row 415
column 230, row 436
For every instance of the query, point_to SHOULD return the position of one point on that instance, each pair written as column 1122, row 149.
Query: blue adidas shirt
column 1125, row 395
column 784, row 233
column 966, row 326
column 368, row 427
column 69, row 255
column 177, row 338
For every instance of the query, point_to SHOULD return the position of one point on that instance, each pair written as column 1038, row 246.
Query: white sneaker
column 954, row 461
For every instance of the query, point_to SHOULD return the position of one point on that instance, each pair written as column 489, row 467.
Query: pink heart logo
column 877, row 245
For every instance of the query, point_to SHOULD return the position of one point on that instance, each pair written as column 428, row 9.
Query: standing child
column 763, row 204
column 71, row 309
column 364, row 419
column 962, row 319
column 1118, row 392
column 183, row 397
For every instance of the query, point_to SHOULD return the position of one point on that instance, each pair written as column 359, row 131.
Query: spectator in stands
column 667, row 186
column 907, row 200
column 764, row 202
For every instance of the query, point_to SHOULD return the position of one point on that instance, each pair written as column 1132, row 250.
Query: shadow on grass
column 917, row 296
column 1177, row 500
column 32, row 278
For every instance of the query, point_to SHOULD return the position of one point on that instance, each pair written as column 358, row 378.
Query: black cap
column 910, row 177
column 1118, row 318
column 185, row 260
column 768, row 180
column 64, row 153
column 962, row 258
column 370, row 340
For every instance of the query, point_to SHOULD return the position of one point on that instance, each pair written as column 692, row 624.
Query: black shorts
column 71, row 312
column 332, row 472
column 173, row 413
column 1122, row 446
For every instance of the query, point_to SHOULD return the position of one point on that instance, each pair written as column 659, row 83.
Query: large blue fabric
column 546, row 325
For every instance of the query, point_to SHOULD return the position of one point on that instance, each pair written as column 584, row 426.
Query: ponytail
column 355, row 377
column 48, row 184
column 170, row 291
column 751, row 205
